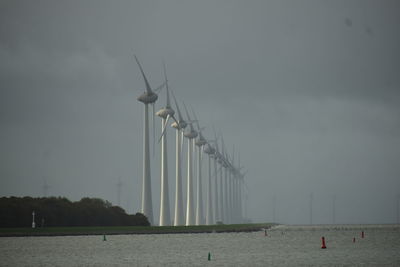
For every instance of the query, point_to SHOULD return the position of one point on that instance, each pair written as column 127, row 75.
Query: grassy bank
column 118, row 230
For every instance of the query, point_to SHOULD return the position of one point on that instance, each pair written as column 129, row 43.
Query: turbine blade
column 154, row 128
column 177, row 106
column 173, row 117
column 158, row 89
column 195, row 118
column 164, row 128
column 182, row 141
column 187, row 114
column 148, row 88
column 166, row 85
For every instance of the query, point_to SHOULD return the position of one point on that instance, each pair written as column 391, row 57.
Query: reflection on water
column 283, row 246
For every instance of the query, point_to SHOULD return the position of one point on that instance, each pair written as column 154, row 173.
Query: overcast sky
column 307, row 91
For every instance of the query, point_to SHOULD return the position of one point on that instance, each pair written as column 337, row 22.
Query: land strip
column 124, row 230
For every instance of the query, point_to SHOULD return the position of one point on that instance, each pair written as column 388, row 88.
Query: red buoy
column 362, row 234
column 323, row 243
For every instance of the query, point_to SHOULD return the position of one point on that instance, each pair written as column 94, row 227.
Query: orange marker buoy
column 323, row 243
column 362, row 234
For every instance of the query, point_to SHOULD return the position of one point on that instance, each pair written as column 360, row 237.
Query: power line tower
column 274, row 209
column 119, row 189
column 333, row 209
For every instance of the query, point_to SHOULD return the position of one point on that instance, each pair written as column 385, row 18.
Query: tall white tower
column 200, row 142
column 209, row 209
column 148, row 97
column 165, row 113
column 191, row 135
column 179, row 218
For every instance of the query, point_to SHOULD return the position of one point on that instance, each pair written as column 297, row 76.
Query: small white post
column 33, row 219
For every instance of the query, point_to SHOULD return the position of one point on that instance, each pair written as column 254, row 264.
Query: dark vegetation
column 61, row 212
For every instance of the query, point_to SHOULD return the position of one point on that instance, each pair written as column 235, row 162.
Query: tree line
column 59, row 211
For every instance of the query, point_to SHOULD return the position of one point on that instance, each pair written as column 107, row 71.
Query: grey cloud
column 307, row 91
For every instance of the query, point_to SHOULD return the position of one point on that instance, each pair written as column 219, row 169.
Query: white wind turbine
column 200, row 142
column 232, row 186
column 225, row 183
column 235, row 170
column 230, row 189
column 221, row 200
column 240, row 177
column 179, row 126
column 191, row 135
column 209, row 212
column 165, row 113
column 218, row 195
column 148, row 97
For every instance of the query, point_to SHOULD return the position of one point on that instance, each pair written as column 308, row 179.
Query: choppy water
column 284, row 246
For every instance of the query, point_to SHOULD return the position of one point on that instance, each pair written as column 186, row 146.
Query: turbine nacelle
column 164, row 112
column 148, row 97
column 209, row 150
column 200, row 141
column 180, row 125
column 191, row 134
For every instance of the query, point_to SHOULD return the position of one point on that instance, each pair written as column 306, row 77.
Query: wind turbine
column 225, row 167
column 148, row 97
column 191, row 135
column 209, row 211
column 165, row 113
column 200, row 142
column 232, row 186
column 220, row 197
column 179, row 126
column 240, row 189
column 217, row 196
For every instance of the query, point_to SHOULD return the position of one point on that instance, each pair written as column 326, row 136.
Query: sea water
column 282, row 246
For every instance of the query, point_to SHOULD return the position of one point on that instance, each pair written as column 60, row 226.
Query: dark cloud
column 307, row 91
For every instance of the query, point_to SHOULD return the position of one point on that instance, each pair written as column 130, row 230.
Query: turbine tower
column 225, row 189
column 221, row 185
column 209, row 212
column 217, row 213
column 191, row 135
column 165, row 113
column 148, row 97
column 200, row 142
column 179, row 126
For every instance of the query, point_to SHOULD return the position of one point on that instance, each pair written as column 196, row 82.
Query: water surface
column 283, row 246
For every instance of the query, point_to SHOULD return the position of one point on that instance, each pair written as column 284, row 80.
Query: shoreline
column 132, row 230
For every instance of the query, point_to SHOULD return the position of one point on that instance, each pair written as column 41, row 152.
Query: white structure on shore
column 180, row 125
column 210, row 151
column 191, row 135
column 148, row 97
column 165, row 113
